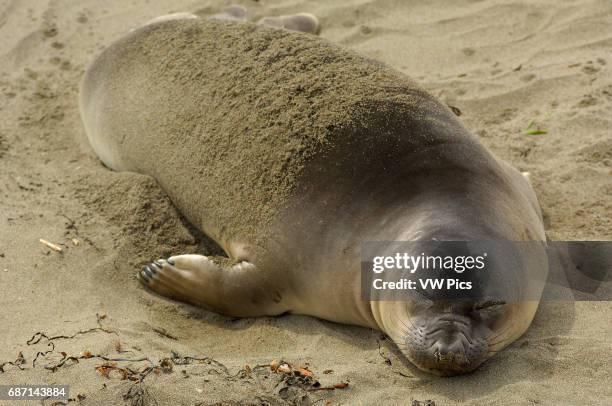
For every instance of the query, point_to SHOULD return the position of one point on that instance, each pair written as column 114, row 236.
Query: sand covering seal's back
column 237, row 109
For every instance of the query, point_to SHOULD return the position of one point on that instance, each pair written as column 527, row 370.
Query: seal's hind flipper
column 173, row 16
column 231, row 13
column 238, row 289
column 302, row 22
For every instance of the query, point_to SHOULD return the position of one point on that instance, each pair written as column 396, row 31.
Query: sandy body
column 290, row 152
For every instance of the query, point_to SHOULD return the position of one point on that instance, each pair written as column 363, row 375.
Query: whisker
column 503, row 331
column 401, row 322
column 409, row 321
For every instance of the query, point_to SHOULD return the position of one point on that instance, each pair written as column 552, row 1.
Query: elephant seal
column 289, row 152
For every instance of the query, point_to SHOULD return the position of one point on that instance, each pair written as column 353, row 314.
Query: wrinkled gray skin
column 423, row 188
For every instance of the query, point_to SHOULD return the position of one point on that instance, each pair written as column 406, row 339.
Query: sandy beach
column 533, row 80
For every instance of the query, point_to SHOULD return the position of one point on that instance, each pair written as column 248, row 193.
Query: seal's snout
column 449, row 356
column 447, row 345
column 448, row 352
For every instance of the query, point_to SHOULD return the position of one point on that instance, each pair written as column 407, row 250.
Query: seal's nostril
column 442, row 348
column 447, row 352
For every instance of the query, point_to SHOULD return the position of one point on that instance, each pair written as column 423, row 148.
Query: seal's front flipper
column 238, row 289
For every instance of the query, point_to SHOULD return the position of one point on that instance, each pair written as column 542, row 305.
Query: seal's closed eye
column 422, row 302
column 489, row 304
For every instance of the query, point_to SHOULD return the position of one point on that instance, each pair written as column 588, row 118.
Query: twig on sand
column 19, row 361
column 380, row 352
column 48, row 244
column 455, row 110
column 340, row 385
column 162, row 332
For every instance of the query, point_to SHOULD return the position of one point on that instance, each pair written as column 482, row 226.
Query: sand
column 502, row 64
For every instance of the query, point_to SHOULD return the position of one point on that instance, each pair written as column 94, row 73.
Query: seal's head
column 453, row 337
column 449, row 338
column 445, row 330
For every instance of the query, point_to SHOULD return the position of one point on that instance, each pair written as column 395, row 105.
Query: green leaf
column 532, row 129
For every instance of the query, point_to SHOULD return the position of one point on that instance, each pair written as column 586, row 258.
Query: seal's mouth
column 446, row 347
column 449, row 363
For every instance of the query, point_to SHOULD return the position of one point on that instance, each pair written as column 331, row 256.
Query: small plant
column 533, row 129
